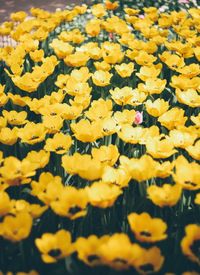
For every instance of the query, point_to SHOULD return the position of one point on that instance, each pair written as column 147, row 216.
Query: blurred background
column 9, row 6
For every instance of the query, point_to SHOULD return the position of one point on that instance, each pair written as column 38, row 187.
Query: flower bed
column 99, row 142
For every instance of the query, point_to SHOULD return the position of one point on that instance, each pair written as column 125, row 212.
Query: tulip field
column 100, row 141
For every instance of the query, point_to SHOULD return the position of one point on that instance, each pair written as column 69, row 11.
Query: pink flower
column 141, row 16
column 138, row 118
column 111, row 35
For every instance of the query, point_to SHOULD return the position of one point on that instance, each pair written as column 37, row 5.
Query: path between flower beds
column 9, row 6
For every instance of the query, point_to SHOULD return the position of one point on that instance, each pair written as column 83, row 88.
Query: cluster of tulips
column 162, row 5
column 99, row 142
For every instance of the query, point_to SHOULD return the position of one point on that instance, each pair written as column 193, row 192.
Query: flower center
column 54, row 253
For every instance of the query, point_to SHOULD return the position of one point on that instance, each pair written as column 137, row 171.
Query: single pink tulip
column 138, row 118
column 141, row 16
column 111, row 35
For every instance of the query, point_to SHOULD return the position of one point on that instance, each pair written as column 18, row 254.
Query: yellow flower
column 145, row 59
column 101, row 78
column 55, row 246
column 46, row 109
column 107, row 155
column 153, row 86
column 32, row 133
column 71, row 203
column 173, row 118
column 89, row 249
column 61, row 49
column 35, row 210
column 138, row 134
column 29, row 82
column 16, row 172
column 197, row 53
column 109, row 126
column 146, row 228
column 118, row 252
column 83, row 165
column 182, row 137
column 184, row 83
column 3, row 97
column 131, row 134
column 102, row 66
column 52, row 124
column 15, row 118
column 9, row 136
column 3, row 122
column 61, row 81
column 189, row 97
column 99, row 109
column 140, row 169
column 98, row 10
column 119, row 176
column 149, row 72
column 36, row 105
column 18, row 16
column 37, row 55
column 196, row 120
column 164, row 169
column 103, row 194
column 157, row 107
column 125, row 69
column 148, row 260
column 5, row 203
column 160, row 148
column 75, row 87
column 122, row 96
column 77, row 59
column 60, row 143
column 19, row 100
column 39, row 159
column 95, row 53
column 113, row 55
column 32, row 272
column 131, row 11
column 73, row 36
column 111, row 5
column 86, row 131
column 81, row 9
column 138, row 98
column 186, row 173
column 93, row 27
column 194, row 150
column 182, row 49
column 124, row 117
column 11, row 228
column 48, row 188
column 79, row 103
column 190, row 70
column 190, row 242
column 173, row 61
column 81, row 75
column 190, row 273
column 166, row 195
